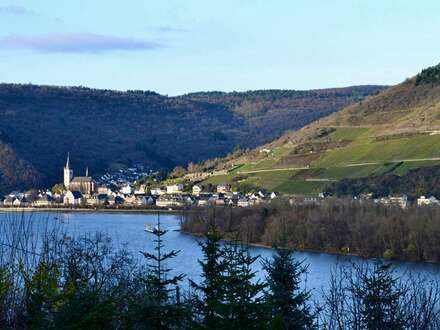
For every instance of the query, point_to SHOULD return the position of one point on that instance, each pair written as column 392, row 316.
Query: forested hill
column 104, row 128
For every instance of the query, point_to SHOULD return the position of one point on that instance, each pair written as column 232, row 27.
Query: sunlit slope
column 392, row 132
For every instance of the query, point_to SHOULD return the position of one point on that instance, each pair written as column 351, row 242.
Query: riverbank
column 88, row 210
column 269, row 247
column 324, row 252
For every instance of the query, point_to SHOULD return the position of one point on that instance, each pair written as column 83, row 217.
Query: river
column 128, row 228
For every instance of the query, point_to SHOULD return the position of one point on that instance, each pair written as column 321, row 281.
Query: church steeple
column 87, row 171
column 68, row 173
column 68, row 161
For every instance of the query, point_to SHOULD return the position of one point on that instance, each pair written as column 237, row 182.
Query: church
column 84, row 184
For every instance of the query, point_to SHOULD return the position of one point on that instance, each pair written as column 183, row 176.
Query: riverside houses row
column 83, row 191
column 136, row 199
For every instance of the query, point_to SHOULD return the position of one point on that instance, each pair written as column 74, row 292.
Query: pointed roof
column 68, row 160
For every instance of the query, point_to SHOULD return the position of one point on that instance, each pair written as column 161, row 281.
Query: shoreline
column 333, row 253
column 86, row 210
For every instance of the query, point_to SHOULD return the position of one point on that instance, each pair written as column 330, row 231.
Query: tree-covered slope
column 104, row 128
column 391, row 132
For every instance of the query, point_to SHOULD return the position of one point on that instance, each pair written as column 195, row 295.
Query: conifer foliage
column 163, row 309
column 287, row 301
column 380, row 296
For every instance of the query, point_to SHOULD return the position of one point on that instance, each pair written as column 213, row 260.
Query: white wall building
column 127, row 190
column 196, row 190
column 73, row 198
column 223, row 188
column 175, row 189
column 423, row 201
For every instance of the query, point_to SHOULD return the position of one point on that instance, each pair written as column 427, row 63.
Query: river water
column 128, row 228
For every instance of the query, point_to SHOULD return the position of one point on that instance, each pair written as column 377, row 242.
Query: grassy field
column 271, row 180
column 215, row 180
column 349, row 172
column 424, row 146
column 349, row 133
column 307, row 188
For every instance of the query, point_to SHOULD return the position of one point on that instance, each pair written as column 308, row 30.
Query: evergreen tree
column 379, row 295
column 209, row 305
column 285, row 299
column 228, row 296
column 244, row 300
column 161, row 309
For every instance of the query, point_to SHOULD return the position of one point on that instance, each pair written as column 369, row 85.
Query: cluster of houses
column 123, row 176
column 402, row 201
column 174, row 196
column 171, row 196
column 85, row 192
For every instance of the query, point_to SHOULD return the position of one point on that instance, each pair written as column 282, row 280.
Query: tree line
column 51, row 281
column 347, row 226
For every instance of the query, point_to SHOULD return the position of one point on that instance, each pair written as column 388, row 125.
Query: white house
column 170, row 201
column 243, row 202
column 175, row 189
column 196, row 190
column 103, row 190
column 223, row 188
column 73, row 198
column 144, row 200
column 157, row 191
column 127, row 190
column 422, row 201
column 8, row 201
column 91, row 200
column 202, row 202
column 44, row 200
column 401, row 201
column 131, row 200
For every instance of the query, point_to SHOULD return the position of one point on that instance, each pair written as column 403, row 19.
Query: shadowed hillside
column 104, row 128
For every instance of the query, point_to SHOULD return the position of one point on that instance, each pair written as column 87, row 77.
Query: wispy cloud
column 77, row 43
column 169, row 28
column 15, row 10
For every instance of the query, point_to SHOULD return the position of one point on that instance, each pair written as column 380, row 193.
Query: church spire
column 87, row 171
column 68, row 173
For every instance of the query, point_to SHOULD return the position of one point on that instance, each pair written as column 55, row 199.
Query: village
column 122, row 190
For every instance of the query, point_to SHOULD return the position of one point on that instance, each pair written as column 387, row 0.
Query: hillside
column 389, row 133
column 105, row 129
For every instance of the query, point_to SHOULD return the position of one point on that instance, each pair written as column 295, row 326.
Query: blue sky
column 179, row 46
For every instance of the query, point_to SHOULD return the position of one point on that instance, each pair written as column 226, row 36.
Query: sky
column 180, row 46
